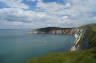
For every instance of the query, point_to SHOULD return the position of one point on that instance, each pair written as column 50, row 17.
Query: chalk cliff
column 85, row 37
column 54, row 30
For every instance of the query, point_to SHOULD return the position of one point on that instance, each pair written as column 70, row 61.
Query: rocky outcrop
column 78, row 35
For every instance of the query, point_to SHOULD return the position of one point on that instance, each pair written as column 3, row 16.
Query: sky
column 17, row 14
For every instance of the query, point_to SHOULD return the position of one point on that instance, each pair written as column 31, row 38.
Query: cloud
column 15, row 3
column 32, row 0
column 70, row 14
column 53, row 7
column 74, row 8
column 9, row 16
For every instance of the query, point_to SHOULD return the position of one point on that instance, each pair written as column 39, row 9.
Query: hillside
column 84, row 56
column 89, row 35
column 87, row 55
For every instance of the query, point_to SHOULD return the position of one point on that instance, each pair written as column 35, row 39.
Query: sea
column 18, row 46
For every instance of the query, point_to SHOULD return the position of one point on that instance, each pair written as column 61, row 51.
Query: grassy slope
column 82, row 56
column 93, row 36
column 89, row 35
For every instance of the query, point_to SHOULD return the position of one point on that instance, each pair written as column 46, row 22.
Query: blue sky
column 15, row 14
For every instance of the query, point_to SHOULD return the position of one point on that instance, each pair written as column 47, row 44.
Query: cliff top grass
column 84, row 56
column 93, row 27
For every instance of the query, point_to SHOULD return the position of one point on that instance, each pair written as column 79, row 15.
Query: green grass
column 81, row 56
column 93, row 37
column 89, row 35
column 84, row 56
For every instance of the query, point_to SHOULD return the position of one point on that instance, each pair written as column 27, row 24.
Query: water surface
column 17, row 46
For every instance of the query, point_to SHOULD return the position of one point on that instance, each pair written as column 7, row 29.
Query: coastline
column 84, row 49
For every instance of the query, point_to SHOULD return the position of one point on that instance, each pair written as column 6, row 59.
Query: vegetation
column 92, row 41
column 81, row 56
column 84, row 56
column 89, row 35
column 47, row 29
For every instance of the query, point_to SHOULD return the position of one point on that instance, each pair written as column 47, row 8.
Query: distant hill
column 53, row 30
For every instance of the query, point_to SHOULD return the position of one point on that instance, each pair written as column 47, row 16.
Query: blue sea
column 17, row 46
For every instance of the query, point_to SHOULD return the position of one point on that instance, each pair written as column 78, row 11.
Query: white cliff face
column 78, row 34
column 54, row 31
